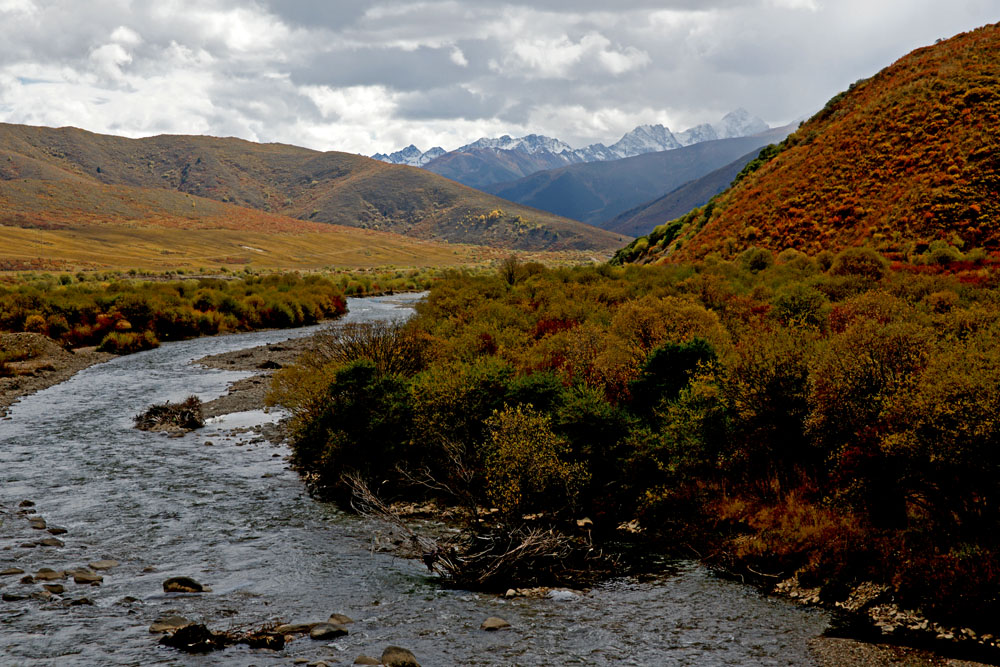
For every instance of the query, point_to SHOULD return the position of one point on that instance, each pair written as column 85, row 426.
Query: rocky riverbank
column 39, row 363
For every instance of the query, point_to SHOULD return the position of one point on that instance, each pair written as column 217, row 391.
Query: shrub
column 863, row 262
column 128, row 342
column 526, row 464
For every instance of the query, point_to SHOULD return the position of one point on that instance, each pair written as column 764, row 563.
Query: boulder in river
column 13, row 597
column 494, row 623
column 103, row 564
column 51, row 542
column 27, row 579
column 11, row 571
column 57, row 530
column 394, row 656
column 26, row 503
column 340, row 619
column 38, row 523
column 366, row 660
column 327, row 631
column 48, row 574
column 295, row 628
column 168, row 623
column 58, row 589
column 182, row 585
column 87, row 577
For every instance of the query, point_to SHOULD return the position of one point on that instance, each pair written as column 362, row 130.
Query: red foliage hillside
column 904, row 158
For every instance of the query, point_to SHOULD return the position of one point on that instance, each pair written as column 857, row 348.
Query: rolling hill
column 596, row 192
column 643, row 218
column 120, row 178
column 900, row 160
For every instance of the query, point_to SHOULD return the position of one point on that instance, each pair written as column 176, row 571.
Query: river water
column 233, row 516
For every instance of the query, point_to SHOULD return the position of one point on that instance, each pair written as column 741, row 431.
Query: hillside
column 595, row 192
column 328, row 187
column 900, row 160
column 642, row 219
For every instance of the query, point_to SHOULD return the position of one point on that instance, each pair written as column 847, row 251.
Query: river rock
column 26, row 503
column 11, row 571
column 44, row 596
column 494, row 623
column 168, row 623
column 295, row 628
column 51, row 542
column 48, row 574
column 57, row 530
column 27, row 545
column 340, row 619
column 103, row 564
column 81, row 602
column 182, row 585
column 394, row 656
column 38, row 523
column 327, row 631
column 13, row 597
column 87, row 577
column 366, row 660
column 58, row 589
column 27, row 579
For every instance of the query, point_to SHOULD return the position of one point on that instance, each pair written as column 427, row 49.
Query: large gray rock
column 394, row 656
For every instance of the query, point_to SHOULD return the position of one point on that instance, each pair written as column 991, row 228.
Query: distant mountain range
column 56, row 177
column 598, row 192
column 488, row 161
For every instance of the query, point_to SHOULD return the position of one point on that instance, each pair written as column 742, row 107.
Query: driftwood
column 196, row 638
column 184, row 416
column 492, row 556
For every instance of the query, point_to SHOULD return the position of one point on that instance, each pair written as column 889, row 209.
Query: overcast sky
column 375, row 76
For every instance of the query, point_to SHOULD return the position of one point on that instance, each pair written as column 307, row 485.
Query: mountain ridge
column 326, row 187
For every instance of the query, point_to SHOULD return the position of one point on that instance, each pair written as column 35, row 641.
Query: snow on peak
column 411, row 156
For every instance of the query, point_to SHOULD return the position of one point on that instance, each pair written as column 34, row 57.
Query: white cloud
column 380, row 74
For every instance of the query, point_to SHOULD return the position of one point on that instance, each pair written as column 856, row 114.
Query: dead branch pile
column 168, row 416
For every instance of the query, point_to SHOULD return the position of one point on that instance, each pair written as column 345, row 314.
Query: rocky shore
column 48, row 365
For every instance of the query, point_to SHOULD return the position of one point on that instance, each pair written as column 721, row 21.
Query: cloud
column 376, row 75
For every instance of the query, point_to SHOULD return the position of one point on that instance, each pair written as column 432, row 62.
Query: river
column 236, row 518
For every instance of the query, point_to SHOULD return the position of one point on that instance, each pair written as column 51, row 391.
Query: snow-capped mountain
column 492, row 160
column 530, row 144
column 411, row 155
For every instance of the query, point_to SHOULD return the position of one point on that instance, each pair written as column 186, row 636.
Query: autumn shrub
column 526, row 464
column 128, row 342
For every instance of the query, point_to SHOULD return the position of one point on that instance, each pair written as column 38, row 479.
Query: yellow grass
column 123, row 246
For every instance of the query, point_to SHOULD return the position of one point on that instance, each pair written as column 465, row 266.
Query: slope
column 900, row 160
column 328, row 187
column 597, row 191
column 641, row 219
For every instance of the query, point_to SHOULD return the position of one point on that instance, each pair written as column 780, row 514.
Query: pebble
column 493, row 623
column 27, row 545
column 327, row 631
